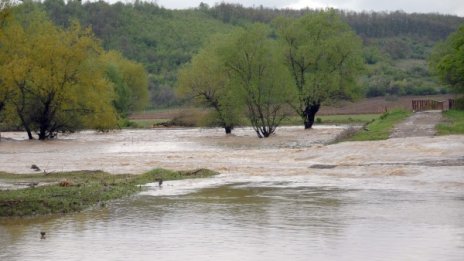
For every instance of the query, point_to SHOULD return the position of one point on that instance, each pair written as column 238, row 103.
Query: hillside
column 396, row 44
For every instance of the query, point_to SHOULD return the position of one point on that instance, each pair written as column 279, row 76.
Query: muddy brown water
column 290, row 197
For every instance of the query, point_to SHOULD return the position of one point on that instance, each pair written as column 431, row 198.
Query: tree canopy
column 205, row 80
column 257, row 72
column 242, row 68
column 163, row 40
column 54, row 77
column 448, row 61
column 130, row 82
column 324, row 57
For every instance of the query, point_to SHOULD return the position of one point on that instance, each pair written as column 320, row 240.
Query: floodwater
column 291, row 197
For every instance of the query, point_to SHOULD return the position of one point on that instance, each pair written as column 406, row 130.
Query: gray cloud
column 455, row 7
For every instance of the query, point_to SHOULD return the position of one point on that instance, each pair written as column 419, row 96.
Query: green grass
column 454, row 124
column 84, row 189
column 334, row 119
column 347, row 119
column 146, row 123
column 380, row 128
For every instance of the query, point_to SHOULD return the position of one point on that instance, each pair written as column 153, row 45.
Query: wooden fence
column 452, row 103
column 426, row 105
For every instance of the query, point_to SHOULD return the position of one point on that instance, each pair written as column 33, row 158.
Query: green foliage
column 5, row 12
column 380, row 129
column 399, row 77
column 75, row 191
column 160, row 39
column 5, row 92
column 242, row 68
column 366, row 24
column 324, row 57
column 257, row 73
column 164, row 40
column 130, row 82
column 448, row 61
column 54, row 77
column 205, row 80
column 454, row 123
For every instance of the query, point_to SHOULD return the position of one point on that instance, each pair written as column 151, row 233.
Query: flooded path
column 291, row 197
column 418, row 125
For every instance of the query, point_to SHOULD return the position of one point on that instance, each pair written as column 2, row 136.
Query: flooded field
column 291, row 197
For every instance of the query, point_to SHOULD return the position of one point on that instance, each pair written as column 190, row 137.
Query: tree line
column 366, row 24
column 55, row 79
column 163, row 40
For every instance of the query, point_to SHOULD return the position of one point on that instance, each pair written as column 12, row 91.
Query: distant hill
column 397, row 44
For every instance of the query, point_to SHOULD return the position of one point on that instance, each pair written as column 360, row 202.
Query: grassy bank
column 334, row 119
column 454, row 123
column 380, row 128
column 75, row 191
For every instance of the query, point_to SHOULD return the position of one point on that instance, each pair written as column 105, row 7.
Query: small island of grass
column 74, row 191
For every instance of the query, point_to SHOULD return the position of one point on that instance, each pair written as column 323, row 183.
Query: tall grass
column 454, row 123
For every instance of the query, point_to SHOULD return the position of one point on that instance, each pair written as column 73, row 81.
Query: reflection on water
column 249, row 221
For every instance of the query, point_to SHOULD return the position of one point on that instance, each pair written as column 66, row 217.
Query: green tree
column 56, row 77
column 257, row 73
column 447, row 61
column 5, row 14
column 324, row 57
column 130, row 82
column 205, row 80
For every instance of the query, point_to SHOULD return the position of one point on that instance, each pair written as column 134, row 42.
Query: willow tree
column 57, row 80
column 130, row 82
column 256, row 73
column 205, row 80
column 324, row 57
column 5, row 15
column 447, row 61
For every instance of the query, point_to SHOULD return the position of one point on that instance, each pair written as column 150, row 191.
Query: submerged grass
column 74, row 191
column 334, row 119
column 454, row 124
column 289, row 121
column 380, row 128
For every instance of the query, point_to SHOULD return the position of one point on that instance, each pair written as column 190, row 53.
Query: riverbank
column 67, row 192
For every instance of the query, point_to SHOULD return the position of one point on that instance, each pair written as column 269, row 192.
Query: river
column 290, row 197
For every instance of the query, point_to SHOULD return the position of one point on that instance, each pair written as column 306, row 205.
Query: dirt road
column 420, row 124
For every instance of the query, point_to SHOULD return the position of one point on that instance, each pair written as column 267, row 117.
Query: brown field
column 365, row 106
column 378, row 105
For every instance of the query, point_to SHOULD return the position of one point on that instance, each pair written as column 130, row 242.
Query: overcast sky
column 455, row 7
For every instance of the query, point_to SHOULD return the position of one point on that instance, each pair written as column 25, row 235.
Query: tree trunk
column 228, row 129
column 26, row 127
column 42, row 134
column 309, row 114
column 29, row 133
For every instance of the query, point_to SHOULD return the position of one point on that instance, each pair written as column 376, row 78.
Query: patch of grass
column 147, row 123
column 75, row 191
column 380, row 128
column 334, row 119
column 454, row 124
column 347, row 119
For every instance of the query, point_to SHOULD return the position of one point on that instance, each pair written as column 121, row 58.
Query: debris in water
column 35, row 167
column 160, row 181
column 322, row 166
